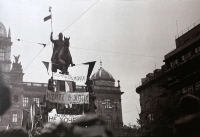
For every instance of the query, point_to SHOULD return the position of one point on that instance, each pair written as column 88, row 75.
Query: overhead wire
column 78, row 47
column 131, row 54
column 62, row 31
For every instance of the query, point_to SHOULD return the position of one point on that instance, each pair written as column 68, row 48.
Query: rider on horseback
column 58, row 45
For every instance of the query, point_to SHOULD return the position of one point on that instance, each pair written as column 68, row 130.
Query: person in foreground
column 189, row 124
column 86, row 126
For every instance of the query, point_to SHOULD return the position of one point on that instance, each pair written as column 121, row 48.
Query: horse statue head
column 66, row 41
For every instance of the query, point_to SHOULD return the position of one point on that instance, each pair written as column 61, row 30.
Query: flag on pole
column 47, row 18
column 34, row 110
column 50, row 9
column 46, row 64
column 25, row 119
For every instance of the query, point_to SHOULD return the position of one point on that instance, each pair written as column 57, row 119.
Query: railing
column 31, row 84
column 187, row 29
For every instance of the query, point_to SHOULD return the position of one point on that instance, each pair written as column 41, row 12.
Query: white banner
column 77, row 74
column 68, row 97
column 52, row 117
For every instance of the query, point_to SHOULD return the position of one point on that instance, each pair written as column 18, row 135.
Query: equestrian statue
column 61, row 58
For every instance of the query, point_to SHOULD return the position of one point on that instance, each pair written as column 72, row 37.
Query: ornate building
column 23, row 94
column 108, row 100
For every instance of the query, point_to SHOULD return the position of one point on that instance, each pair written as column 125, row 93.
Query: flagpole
column 51, row 28
column 51, row 22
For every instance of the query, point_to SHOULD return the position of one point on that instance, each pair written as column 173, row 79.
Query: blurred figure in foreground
column 189, row 104
column 4, row 105
column 4, row 96
column 188, row 126
column 86, row 126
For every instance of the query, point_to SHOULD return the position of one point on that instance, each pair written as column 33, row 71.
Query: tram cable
column 75, row 47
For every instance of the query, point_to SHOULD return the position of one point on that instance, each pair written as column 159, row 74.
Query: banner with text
column 68, row 97
column 52, row 117
column 77, row 74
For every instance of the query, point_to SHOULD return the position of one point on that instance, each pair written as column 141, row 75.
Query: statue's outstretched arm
column 51, row 37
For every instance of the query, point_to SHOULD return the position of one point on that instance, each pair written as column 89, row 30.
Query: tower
column 5, row 51
column 108, row 97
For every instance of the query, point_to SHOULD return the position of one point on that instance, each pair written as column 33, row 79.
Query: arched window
column 108, row 119
column 2, row 54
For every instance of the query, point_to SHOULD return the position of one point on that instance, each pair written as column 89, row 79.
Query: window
column 15, row 98
column 146, row 92
column 189, row 54
column 2, row 54
column 190, row 89
column 37, row 101
column 14, row 118
column 184, row 90
column 183, row 57
column 108, row 119
column 62, row 85
column 197, row 85
column 107, row 103
column 150, row 117
column 25, row 101
column 176, row 61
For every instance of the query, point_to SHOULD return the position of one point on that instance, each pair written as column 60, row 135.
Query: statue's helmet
column 60, row 35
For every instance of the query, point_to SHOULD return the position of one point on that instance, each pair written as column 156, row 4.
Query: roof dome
column 3, row 32
column 102, row 74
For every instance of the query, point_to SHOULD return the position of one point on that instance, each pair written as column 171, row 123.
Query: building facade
column 177, row 77
column 108, row 100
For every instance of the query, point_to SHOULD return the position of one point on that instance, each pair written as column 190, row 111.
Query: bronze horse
column 64, row 58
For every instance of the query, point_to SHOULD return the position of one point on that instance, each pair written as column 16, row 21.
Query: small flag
column 25, row 119
column 47, row 18
column 50, row 9
column 34, row 110
column 46, row 64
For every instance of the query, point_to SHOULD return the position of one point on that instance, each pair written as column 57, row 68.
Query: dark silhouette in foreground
column 189, row 125
column 190, row 104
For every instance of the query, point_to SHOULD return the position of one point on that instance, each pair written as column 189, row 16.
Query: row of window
column 108, row 103
column 2, row 54
column 186, row 90
column 26, row 101
column 184, row 57
column 148, row 90
column 190, row 89
column 14, row 118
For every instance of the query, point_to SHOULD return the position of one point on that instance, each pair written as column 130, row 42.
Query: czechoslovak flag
column 47, row 18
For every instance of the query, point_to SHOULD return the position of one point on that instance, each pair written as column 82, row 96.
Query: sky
column 130, row 37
